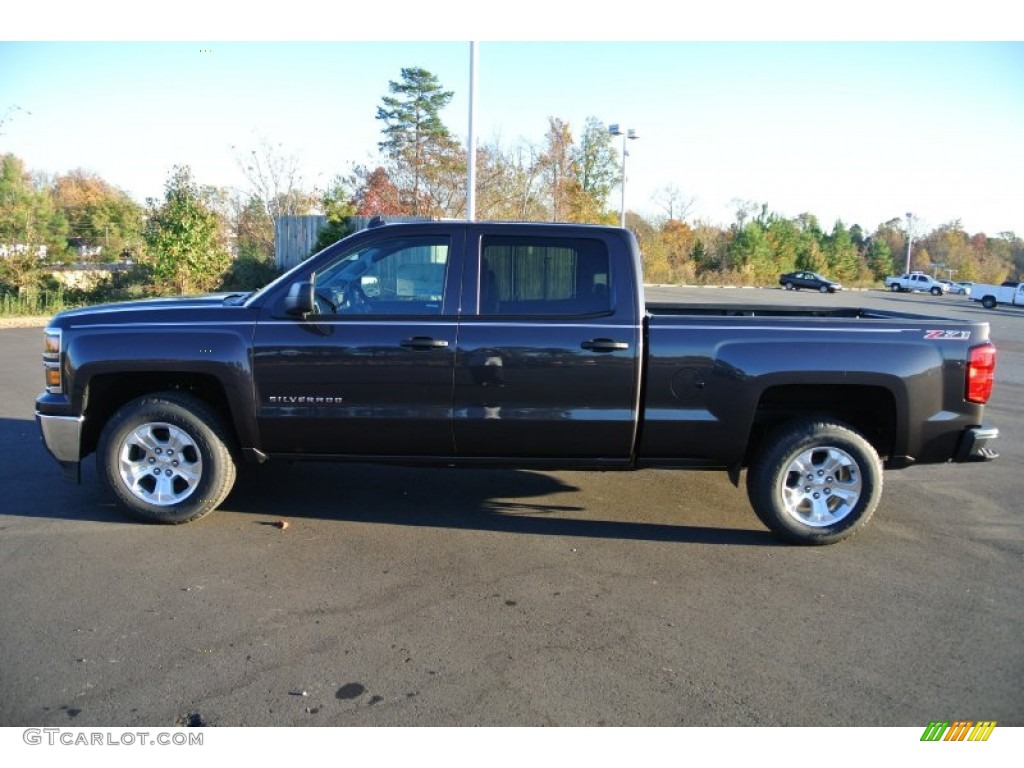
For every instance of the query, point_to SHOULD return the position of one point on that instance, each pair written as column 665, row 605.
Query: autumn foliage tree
column 377, row 194
column 102, row 220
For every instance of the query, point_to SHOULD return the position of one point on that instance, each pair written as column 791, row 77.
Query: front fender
column 145, row 357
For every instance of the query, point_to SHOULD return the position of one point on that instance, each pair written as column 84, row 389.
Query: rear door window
column 544, row 276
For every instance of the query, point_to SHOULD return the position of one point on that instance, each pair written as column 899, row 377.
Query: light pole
column 614, row 130
column 471, row 139
column 910, row 238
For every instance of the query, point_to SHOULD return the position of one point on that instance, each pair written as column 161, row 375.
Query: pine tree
column 417, row 142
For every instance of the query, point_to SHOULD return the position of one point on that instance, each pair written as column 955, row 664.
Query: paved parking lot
column 486, row 597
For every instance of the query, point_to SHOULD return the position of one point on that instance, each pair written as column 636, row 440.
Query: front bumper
column 974, row 445
column 62, row 436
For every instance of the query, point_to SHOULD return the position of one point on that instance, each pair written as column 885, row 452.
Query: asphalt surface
column 485, row 597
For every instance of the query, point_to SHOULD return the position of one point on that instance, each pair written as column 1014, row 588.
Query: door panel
column 547, row 366
column 370, row 373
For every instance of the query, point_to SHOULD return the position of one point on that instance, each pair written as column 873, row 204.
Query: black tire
column 823, row 289
column 789, row 286
column 836, row 497
column 894, row 288
column 988, row 302
column 936, row 291
column 166, row 458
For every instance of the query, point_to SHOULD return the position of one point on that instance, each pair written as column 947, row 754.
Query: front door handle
column 424, row 342
column 604, row 345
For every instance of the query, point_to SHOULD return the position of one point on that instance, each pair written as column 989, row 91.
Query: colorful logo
column 960, row 730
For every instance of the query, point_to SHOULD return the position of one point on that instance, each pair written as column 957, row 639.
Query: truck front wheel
column 166, row 458
column 815, row 482
column 894, row 288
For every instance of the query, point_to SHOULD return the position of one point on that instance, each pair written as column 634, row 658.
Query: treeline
column 200, row 238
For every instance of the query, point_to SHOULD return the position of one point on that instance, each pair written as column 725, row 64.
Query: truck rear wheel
column 815, row 482
column 989, row 302
column 166, row 458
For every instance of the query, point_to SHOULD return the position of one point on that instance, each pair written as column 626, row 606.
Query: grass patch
column 34, row 303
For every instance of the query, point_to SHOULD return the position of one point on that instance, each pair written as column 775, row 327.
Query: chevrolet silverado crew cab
column 502, row 344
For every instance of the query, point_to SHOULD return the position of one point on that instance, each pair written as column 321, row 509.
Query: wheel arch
column 870, row 410
column 106, row 393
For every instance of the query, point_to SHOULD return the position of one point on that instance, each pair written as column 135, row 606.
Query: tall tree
column 710, row 250
column 893, row 234
column 275, row 185
column 597, row 171
column 416, row 140
column 101, row 218
column 508, row 182
column 784, row 239
column 841, row 254
column 951, row 249
column 254, row 229
column 558, row 167
column 744, row 210
column 184, row 238
column 680, row 242
column 750, row 253
column 879, row 258
column 809, row 253
column 673, row 202
column 29, row 221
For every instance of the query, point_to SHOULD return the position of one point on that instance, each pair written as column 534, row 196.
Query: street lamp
column 910, row 237
column 614, row 130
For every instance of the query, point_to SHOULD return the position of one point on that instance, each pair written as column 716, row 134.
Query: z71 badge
column 948, row 335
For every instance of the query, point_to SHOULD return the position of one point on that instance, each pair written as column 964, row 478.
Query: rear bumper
column 62, row 436
column 974, row 445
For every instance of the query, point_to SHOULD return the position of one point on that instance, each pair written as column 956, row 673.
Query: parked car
column 794, row 281
column 958, row 289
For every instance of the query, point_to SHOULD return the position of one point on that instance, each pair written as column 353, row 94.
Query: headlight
column 52, row 348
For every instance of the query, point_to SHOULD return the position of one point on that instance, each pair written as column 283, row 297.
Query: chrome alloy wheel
column 821, row 486
column 159, row 463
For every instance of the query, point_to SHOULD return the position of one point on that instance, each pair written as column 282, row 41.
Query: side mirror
column 300, row 300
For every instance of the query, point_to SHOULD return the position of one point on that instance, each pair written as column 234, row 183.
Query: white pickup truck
column 915, row 281
column 1011, row 292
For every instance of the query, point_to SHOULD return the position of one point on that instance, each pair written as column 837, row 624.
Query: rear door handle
column 424, row 342
column 604, row 345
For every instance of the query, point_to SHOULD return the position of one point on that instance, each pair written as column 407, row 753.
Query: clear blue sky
column 863, row 131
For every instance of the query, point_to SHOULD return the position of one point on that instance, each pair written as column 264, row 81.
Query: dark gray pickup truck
column 523, row 345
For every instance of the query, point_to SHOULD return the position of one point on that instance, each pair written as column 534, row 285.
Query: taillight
column 981, row 373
